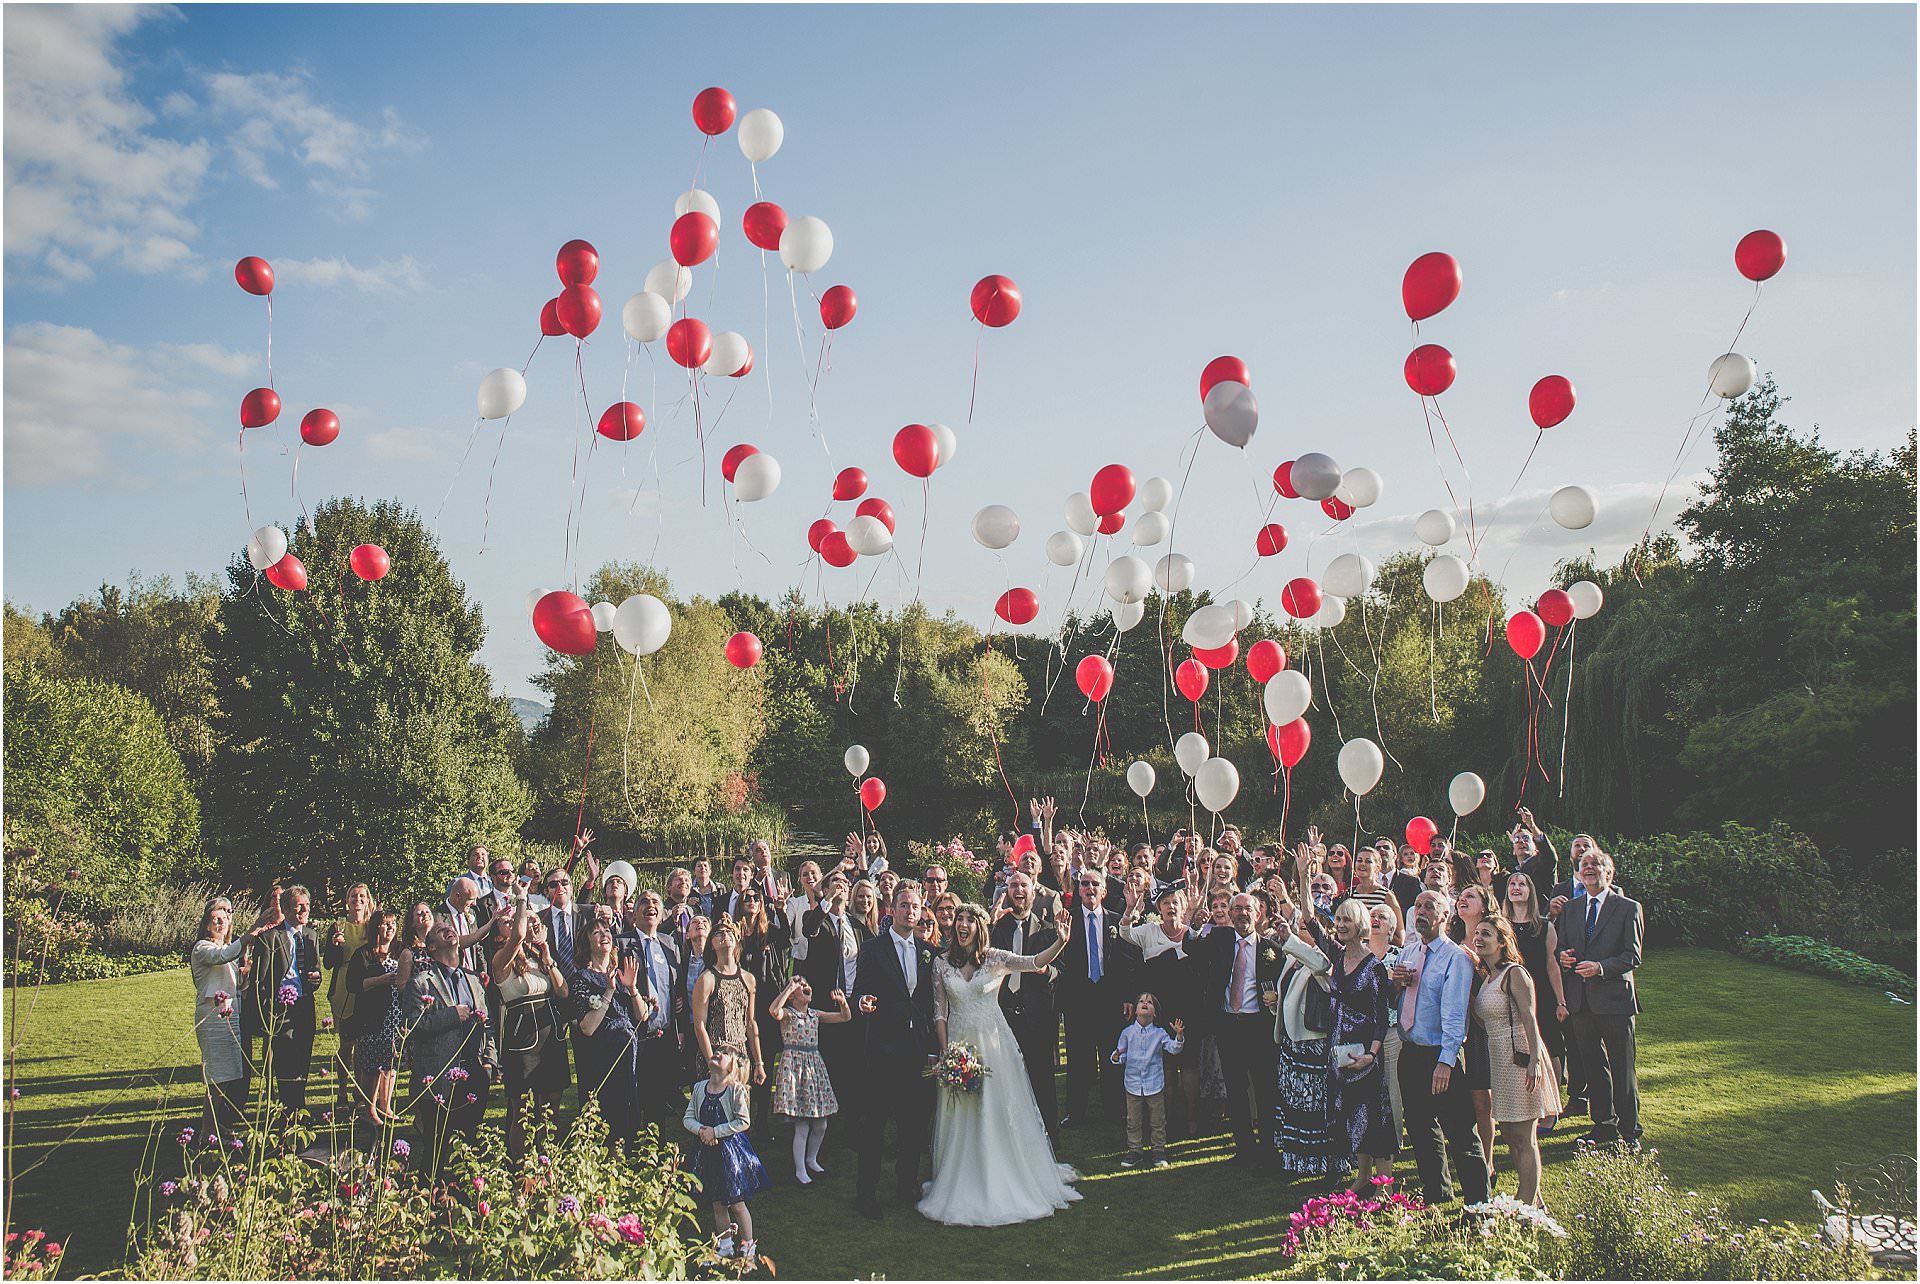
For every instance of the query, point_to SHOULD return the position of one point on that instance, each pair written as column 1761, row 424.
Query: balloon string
column 1326, row 686
column 993, row 733
column 1473, row 521
column 593, row 714
column 246, row 501
column 486, row 508
column 1566, row 708
column 574, row 487
column 1173, row 532
column 699, row 432
column 766, row 323
column 471, row 435
column 920, row 565
column 1286, row 802
column 973, row 392
column 800, row 344
column 270, row 382
column 293, row 484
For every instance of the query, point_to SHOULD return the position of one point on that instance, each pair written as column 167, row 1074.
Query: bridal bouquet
column 959, row 1069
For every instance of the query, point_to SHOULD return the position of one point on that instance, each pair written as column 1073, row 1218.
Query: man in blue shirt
column 1436, row 981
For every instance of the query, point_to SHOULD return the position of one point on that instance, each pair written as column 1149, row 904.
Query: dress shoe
column 1599, row 1137
column 1576, row 1106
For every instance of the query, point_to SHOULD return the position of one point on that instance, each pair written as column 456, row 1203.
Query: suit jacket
column 1614, row 945
column 475, row 956
column 1215, row 953
column 901, row 1028
column 821, row 967
column 1034, row 1001
column 582, row 917
column 1071, row 987
column 438, row 1039
column 270, row 967
column 676, row 969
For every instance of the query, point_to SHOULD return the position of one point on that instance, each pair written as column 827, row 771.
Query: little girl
column 804, row 1093
column 729, row 1170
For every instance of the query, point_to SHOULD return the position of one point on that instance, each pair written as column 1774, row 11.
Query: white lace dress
column 992, row 1162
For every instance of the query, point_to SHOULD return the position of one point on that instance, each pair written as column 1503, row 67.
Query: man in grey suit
column 1600, row 936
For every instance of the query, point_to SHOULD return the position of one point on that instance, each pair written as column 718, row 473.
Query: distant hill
column 530, row 712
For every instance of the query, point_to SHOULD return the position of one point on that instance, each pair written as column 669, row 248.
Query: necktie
column 1019, row 934
column 1093, row 947
column 1240, row 970
column 1593, row 916
column 841, row 925
column 1410, row 999
column 906, row 963
column 563, row 933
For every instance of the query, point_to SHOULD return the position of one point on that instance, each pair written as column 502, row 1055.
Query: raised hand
column 1063, row 922
column 1313, row 835
column 629, row 971
column 581, row 840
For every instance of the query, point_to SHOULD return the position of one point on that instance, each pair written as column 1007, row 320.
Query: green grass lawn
column 1754, row 1083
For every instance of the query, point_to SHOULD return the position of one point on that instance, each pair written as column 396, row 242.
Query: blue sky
column 1165, row 185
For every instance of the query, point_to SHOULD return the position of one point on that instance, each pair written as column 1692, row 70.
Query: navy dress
column 610, row 1056
column 1360, row 1110
column 730, row 1172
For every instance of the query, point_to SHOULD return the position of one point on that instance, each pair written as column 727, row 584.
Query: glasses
column 503, row 872
column 559, row 882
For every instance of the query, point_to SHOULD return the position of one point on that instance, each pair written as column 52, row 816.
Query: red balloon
column 713, row 110
column 1112, row 489
column 319, row 427
column 370, row 562
column 1525, row 634
column 1420, row 834
column 1283, row 481
column 1555, row 608
column 1111, row 523
column 1291, row 741
column 689, row 342
column 623, row 421
column 1224, row 370
column 564, row 622
column 1551, row 401
column 1300, row 598
column 1430, row 370
column 834, row 549
column 1264, row 659
column 917, row 450
column 1338, row 509
column 1191, row 678
column 996, row 301
column 873, row 792
column 731, row 460
column 820, row 529
column 255, row 274
column 746, row 369
column 874, row 506
column 694, row 238
column 763, row 223
column 1017, row 606
column 1431, row 283
column 1758, row 256
column 1271, row 539
column 743, row 650
column 1219, row 657
column 289, row 573
column 850, row 484
column 259, row 408
column 550, row 318
column 837, row 306
column 1095, row 676
column 577, row 263
column 578, row 309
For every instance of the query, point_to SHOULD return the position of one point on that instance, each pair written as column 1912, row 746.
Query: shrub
column 966, row 873
column 1395, row 1236
column 163, row 920
column 88, row 965
column 1804, row 954
column 1718, row 889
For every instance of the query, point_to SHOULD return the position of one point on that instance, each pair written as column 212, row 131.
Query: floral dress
column 376, row 1013
column 1359, row 1112
column 803, row 1091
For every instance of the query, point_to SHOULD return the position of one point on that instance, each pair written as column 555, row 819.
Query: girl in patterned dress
column 804, row 1093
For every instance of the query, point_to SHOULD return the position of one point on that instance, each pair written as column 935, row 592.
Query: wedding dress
column 992, row 1162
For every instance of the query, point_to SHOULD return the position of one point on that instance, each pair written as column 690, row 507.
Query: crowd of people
column 1329, row 1005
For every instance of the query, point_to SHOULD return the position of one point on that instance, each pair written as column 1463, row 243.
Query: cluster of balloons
column 753, row 473
column 920, row 449
column 1527, row 630
column 868, row 534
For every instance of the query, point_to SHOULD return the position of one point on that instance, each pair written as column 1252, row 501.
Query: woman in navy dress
column 1359, row 1110
column 608, row 1012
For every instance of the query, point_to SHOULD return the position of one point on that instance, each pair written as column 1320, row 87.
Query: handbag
column 1318, row 1008
column 1521, row 1057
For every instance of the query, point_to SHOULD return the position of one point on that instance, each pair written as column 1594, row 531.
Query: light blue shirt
column 1140, row 1048
column 1440, row 1000
column 660, row 987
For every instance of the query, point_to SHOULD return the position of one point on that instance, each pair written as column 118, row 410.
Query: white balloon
column 857, row 760
column 1587, row 599
column 1465, row 793
column 1360, row 486
column 756, row 477
column 1732, row 375
column 730, row 352
column 996, row 526
column 1128, row 614
column 625, row 871
column 1348, row 575
column 1151, row 528
column 646, row 316
column 1080, row 514
column 1239, row 613
column 603, row 617
column 1190, row 751
column 1315, row 476
column 642, row 623
column 1140, row 778
column 1434, row 527
column 1288, row 696
column 1574, row 507
column 1154, row 495
column 1332, row 611
column 502, row 392
column 1174, row 574
column 1360, row 766
column 760, row 134
column 1209, row 628
column 1064, row 548
column 945, row 444
column 1231, row 412
column 867, row 535
column 669, row 280
column 807, row 244
column 266, row 547
column 1445, row 577
column 533, row 598
column 1128, row 579
column 695, row 199
column 1217, row 782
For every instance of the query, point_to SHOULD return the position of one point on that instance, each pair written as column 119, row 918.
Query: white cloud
column 388, row 276
column 73, row 399
column 280, row 117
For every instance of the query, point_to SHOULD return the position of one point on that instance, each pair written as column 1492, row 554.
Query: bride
column 992, row 1162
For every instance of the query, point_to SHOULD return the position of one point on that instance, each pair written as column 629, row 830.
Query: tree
column 359, row 738
column 27, row 642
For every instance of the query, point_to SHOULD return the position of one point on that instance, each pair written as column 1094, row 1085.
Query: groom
column 894, row 987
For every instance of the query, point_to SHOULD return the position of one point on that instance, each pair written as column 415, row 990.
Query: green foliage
column 1719, row 888
column 359, row 737
column 164, row 921
column 1382, row 1237
column 80, row 963
column 1804, row 954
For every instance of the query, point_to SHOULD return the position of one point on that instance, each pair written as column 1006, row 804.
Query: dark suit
column 476, row 958
column 1030, row 1013
column 566, row 958
column 900, row 1039
column 841, row 1042
column 660, row 1094
column 1249, row 1057
column 1602, row 1010
column 1094, row 1013
column 288, row 1028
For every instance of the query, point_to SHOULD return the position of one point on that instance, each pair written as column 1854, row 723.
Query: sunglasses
column 559, row 882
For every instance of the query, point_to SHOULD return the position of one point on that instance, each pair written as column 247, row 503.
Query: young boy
column 1145, row 1080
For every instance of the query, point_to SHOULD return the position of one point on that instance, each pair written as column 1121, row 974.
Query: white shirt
column 906, row 948
column 1015, row 947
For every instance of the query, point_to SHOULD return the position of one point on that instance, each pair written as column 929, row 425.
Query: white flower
column 1508, row 1206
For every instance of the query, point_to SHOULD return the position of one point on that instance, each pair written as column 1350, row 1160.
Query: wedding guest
column 658, row 1063
column 934, row 882
column 883, row 884
column 530, row 884
column 1027, row 997
column 1339, row 864
column 863, row 905
column 1091, row 992
column 705, row 892
column 529, row 992
column 501, row 897
column 730, row 1172
column 616, row 897
column 694, row 966
column 1523, row 1088
column 742, row 875
column 1472, row 906
column 1303, row 1025
column 608, row 1010
column 765, row 942
column 566, row 924
column 216, row 986
column 377, row 975
column 803, row 1090
column 1600, row 936
column 1170, row 968
column 944, row 906
column 760, row 853
column 1144, row 1045
column 1533, row 854
column 1539, row 942
column 1366, row 886
column 724, row 1017
column 343, row 942
column 285, row 977
column 806, row 898
column 1435, row 977
column 1359, row 1105
column 449, row 1044
column 1405, row 883
column 461, row 910
column 876, row 852
column 834, row 941
column 678, row 909
column 1385, row 936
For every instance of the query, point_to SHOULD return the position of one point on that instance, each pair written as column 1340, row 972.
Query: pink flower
column 483, row 1208
column 479, row 1184
column 631, row 1230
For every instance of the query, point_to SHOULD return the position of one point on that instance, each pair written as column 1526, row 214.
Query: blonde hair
column 735, row 1075
column 1354, row 914
column 969, row 956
